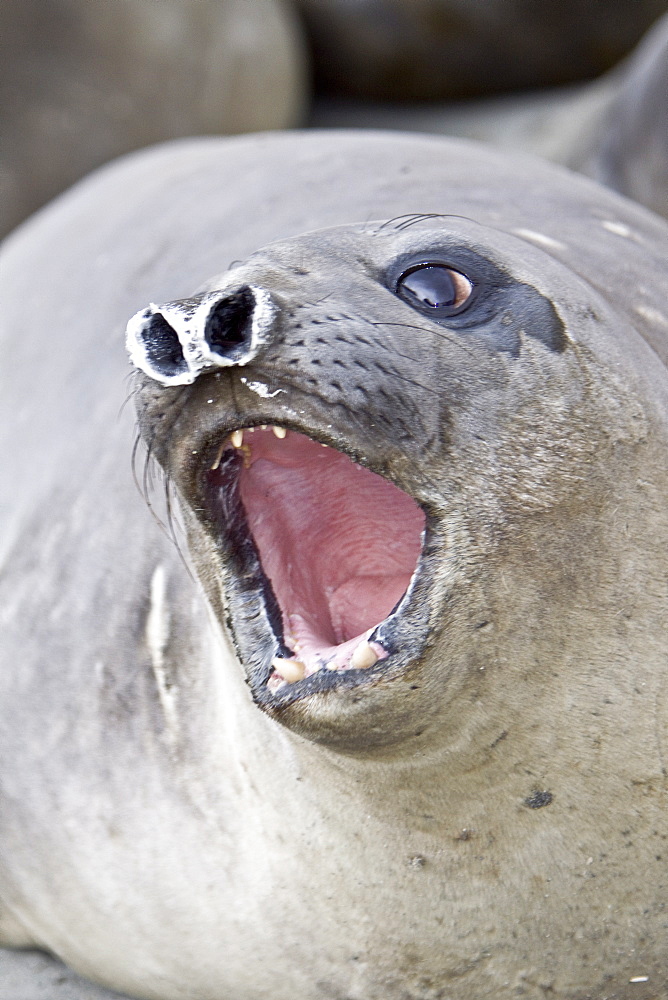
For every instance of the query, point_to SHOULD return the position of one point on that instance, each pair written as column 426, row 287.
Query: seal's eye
column 436, row 289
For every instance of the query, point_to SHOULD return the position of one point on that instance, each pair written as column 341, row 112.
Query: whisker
column 408, row 217
column 422, row 329
column 173, row 523
column 144, row 483
column 133, row 464
column 412, row 381
column 414, row 220
column 402, row 222
column 133, row 392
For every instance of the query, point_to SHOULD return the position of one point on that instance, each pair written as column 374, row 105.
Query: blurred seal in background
column 81, row 83
column 427, row 49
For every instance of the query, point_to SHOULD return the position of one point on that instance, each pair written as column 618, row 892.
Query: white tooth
column 290, row 670
column 237, row 439
column 280, row 432
column 250, row 429
column 263, row 427
column 219, row 455
column 364, row 656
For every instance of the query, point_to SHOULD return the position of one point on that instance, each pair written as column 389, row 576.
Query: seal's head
column 356, row 421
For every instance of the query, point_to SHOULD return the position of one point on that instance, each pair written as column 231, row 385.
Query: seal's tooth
column 237, row 438
column 364, row 656
column 280, row 432
column 219, row 454
column 290, row 670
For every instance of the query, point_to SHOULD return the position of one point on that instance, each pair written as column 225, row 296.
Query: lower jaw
column 284, row 667
column 383, row 652
column 359, row 653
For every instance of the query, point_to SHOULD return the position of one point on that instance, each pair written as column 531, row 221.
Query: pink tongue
column 338, row 543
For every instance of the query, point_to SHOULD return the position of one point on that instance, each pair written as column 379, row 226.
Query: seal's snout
column 173, row 343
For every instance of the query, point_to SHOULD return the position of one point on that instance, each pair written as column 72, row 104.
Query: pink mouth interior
column 338, row 543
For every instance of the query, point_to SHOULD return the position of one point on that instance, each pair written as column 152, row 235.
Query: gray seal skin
column 479, row 813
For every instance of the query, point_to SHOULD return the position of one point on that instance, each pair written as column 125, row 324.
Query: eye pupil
column 435, row 286
column 431, row 285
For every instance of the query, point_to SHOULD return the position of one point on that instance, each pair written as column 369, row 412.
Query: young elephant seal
column 407, row 49
column 411, row 743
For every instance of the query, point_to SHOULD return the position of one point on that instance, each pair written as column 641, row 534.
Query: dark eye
column 435, row 287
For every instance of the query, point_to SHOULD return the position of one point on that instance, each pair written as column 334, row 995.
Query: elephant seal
column 81, row 83
column 431, row 49
column 613, row 129
column 625, row 146
column 471, row 803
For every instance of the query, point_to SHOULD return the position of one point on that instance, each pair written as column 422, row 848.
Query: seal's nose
column 228, row 327
column 174, row 342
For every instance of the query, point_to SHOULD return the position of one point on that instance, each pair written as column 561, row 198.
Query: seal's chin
column 330, row 547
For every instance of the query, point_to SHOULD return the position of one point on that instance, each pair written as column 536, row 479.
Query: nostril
column 229, row 323
column 162, row 346
column 175, row 341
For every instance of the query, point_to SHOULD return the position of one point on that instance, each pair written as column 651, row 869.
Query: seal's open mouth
column 337, row 546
